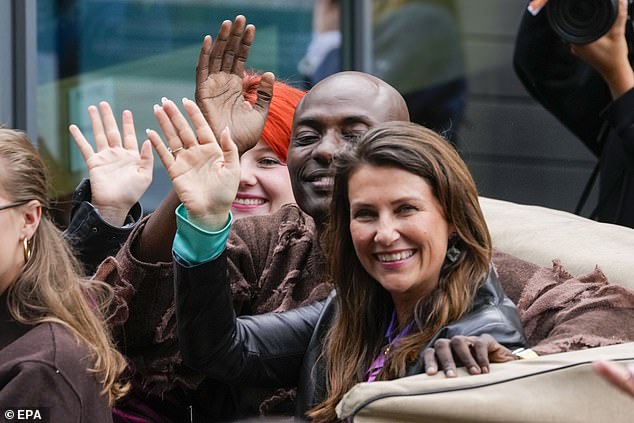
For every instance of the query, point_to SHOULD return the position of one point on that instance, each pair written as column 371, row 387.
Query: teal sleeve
column 194, row 245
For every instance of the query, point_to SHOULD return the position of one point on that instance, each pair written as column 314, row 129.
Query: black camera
column 583, row 21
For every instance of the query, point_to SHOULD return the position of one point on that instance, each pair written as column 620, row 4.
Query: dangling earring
column 28, row 250
column 453, row 252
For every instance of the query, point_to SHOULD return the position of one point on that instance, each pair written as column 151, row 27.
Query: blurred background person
column 416, row 48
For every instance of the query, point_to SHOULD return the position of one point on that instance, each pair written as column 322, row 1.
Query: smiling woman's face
column 398, row 230
column 265, row 185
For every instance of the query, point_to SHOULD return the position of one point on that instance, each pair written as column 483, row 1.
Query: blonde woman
column 55, row 353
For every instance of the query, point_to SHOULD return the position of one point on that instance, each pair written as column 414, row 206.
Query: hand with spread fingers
column 475, row 353
column 119, row 174
column 219, row 76
column 205, row 173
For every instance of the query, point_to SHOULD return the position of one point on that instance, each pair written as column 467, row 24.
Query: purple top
column 379, row 361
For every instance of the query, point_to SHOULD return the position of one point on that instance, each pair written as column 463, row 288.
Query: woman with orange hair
column 265, row 185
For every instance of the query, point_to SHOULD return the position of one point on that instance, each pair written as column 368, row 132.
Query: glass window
column 451, row 59
column 131, row 53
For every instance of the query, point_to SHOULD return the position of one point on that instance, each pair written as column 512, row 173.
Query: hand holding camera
column 582, row 21
column 609, row 54
column 596, row 32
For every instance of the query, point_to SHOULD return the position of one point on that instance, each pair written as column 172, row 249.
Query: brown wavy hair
column 51, row 287
column 364, row 306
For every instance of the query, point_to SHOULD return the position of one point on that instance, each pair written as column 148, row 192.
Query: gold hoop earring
column 28, row 250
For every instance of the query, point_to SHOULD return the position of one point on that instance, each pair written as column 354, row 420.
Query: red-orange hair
column 277, row 128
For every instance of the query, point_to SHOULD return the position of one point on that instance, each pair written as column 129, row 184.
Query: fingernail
column 485, row 369
column 474, row 370
column 147, row 131
column 450, row 373
column 163, row 100
column 431, row 370
column 156, row 107
column 184, row 100
column 534, row 10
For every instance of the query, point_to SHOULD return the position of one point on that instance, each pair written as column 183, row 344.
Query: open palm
column 205, row 173
column 119, row 173
column 219, row 76
column 131, row 170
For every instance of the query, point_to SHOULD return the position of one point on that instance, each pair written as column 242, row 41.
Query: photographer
column 588, row 87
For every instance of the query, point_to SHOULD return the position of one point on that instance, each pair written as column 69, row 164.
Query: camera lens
column 582, row 11
column 581, row 21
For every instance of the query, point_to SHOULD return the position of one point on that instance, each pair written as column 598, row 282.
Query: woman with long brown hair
column 55, row 352
column 405, row 214
column 410, row 256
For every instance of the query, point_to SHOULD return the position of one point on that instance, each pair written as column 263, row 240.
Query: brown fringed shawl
column 275, row 264
column 561, row 312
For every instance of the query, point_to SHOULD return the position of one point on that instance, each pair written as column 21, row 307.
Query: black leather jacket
column 273, row 350
column 90, row 236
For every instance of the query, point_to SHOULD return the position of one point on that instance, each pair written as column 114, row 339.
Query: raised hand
column 219, row 76
column 205, row 173
column 119, row 175
column 473, row 352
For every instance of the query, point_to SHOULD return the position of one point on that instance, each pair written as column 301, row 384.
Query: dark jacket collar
column 10, row 329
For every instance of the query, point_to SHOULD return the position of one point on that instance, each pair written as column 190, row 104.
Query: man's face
column 333, row 113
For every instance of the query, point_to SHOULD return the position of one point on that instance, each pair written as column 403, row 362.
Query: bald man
column 335, row 112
